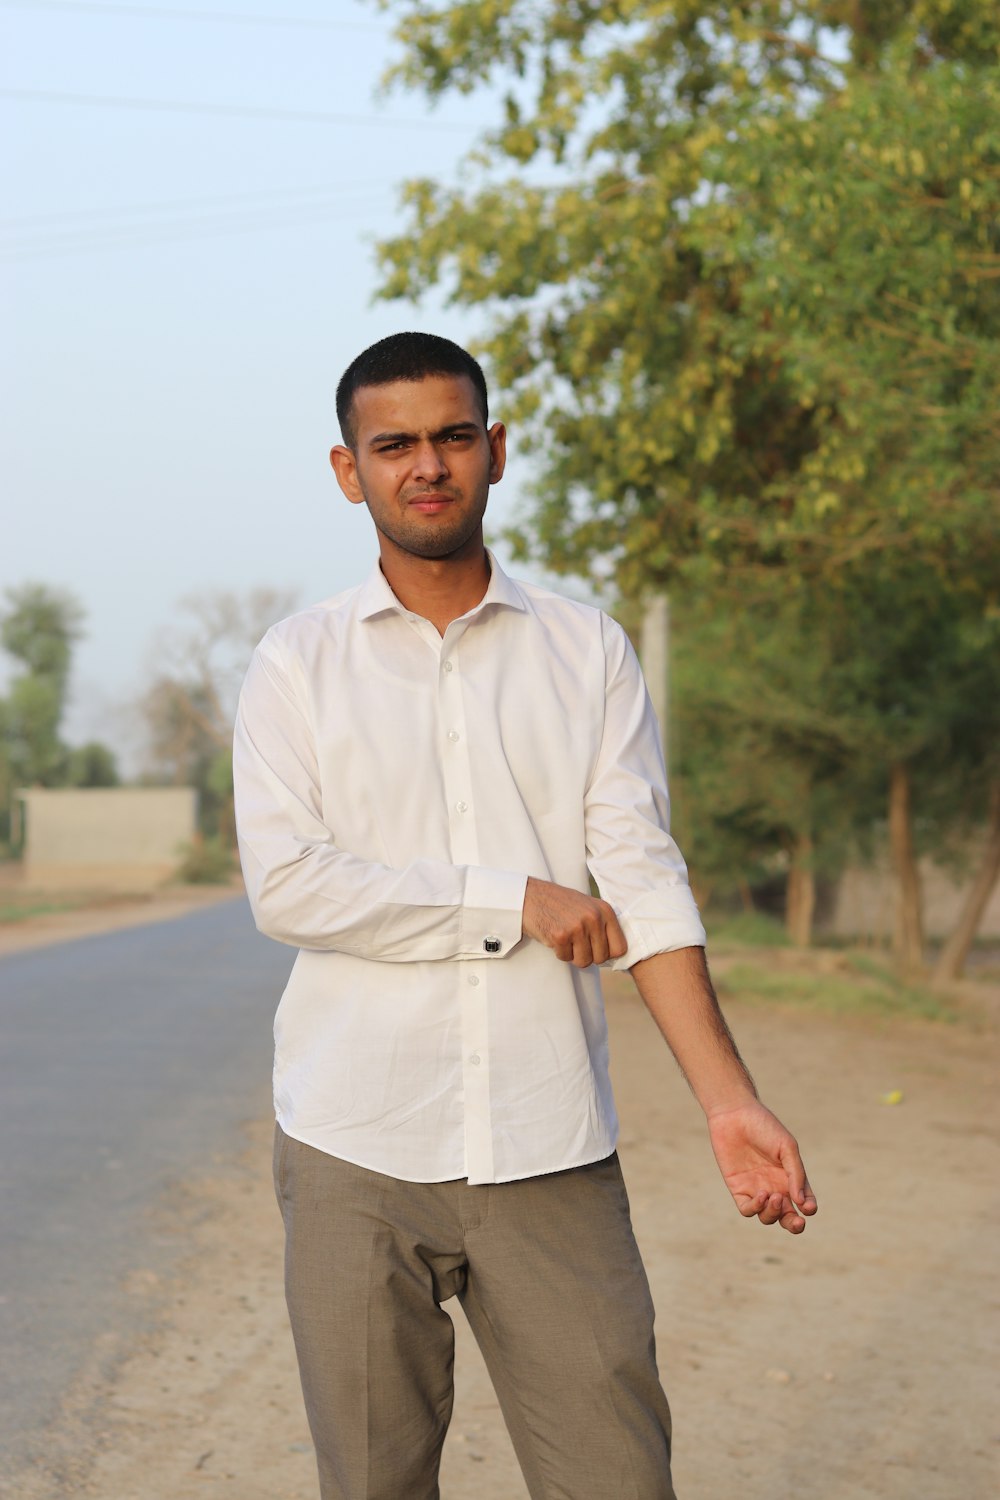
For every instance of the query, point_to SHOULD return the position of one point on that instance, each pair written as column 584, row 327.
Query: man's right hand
column 579, row 929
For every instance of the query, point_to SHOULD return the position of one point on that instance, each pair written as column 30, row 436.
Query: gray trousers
column 549, row 1276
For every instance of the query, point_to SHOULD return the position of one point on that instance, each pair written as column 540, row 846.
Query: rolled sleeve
column 674, row 924
column 638, row 867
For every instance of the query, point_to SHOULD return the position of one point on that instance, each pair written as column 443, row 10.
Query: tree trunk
column 953, row 955
column 227, row 821
column 909, row 927
column 800, row 900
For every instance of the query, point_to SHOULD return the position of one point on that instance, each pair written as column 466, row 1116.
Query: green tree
column 882, row 261
column 676, row 315
column 38, row 629
column 92, row 765
column 767, row 775
column 802, row 722
column 742, row 291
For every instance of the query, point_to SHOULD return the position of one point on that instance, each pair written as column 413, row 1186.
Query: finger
column 583, row 953
column 751, row 1207
column 599, row 949
column 792, row 1222
column 798, row 1184
column 617, row 946
column 807, row 1203
column 771, row 1212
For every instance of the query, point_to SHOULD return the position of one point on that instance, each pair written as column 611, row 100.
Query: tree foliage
column 674, row 318
column 38, row 629
column 739, row 271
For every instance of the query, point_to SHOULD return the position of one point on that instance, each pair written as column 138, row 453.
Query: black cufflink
column 492, row 945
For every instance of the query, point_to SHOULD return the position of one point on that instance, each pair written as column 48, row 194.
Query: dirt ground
column 856, row 1362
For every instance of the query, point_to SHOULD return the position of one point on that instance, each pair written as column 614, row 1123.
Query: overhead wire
column 235, row 111
column 165, row 205
column 236, row 220
column 47, row 234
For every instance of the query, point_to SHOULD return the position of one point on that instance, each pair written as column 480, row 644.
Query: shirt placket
column 471, row 975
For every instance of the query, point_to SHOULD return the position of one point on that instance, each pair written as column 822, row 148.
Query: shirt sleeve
column 636, row 864
column 306, row 891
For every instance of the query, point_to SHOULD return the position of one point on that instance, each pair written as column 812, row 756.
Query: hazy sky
column 184, row 286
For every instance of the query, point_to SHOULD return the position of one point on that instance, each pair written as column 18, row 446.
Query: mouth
column 430, row 504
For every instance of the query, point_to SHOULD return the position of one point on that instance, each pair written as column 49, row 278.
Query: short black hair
column 405, row 356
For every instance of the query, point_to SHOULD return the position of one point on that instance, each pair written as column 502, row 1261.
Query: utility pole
column 654, row 649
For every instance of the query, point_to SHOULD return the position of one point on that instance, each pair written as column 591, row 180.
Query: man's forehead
column 415, row 405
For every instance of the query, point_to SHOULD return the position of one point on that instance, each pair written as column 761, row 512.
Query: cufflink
column 492, row 945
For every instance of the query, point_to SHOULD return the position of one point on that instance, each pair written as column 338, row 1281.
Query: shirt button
column 473, row 979
column 446, row 665
column 461, row 807
column 453, row 735
column 475, row 1059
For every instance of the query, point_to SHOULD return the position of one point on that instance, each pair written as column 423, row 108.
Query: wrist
column 730, row 1103
column 729, row 1097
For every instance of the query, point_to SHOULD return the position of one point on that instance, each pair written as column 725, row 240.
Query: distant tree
column 804, row 722
column 38, row 628
column 757, row 755
column 92, row 765
column 190, row 705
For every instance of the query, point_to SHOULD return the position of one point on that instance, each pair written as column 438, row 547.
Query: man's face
column 423, row 463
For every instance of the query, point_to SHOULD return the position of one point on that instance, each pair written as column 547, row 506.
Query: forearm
column 308, row 891
column 677, row 991
column 322, row 897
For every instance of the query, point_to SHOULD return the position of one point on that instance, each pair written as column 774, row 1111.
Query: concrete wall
column 115, row 838
column 863, row 905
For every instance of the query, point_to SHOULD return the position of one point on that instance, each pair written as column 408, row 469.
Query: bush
column 206, row 862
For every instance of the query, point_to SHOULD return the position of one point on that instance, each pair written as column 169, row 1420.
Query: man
column 428, row 770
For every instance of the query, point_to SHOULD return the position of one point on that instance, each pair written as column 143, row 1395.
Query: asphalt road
column 128, row 1062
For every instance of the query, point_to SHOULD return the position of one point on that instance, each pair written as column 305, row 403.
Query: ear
column 345, row 465
column 497, row 439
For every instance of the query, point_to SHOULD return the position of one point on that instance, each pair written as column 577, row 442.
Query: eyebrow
column 398, row 437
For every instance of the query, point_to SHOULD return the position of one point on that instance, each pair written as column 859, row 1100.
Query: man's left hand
column 760, row 1162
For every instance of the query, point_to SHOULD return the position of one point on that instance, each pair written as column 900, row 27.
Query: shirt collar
column 377, row 598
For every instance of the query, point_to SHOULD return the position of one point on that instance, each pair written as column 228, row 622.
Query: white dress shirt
column 394, row 790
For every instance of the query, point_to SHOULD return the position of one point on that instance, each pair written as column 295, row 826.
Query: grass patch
column 862, row 987
column 747, row 929
column 16, row 908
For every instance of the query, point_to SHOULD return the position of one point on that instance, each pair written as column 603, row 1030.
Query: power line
column 166, row 205
column 175, row 13
column 140, row 236
column 151, row 220
column 232, row 111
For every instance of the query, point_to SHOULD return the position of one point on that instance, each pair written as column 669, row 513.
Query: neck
column 439, row 588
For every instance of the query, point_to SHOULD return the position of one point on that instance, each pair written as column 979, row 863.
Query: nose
column 428, row 462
